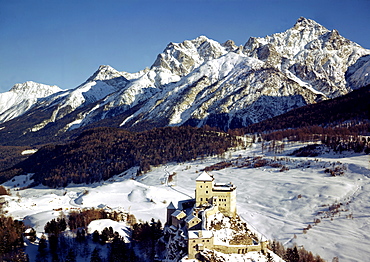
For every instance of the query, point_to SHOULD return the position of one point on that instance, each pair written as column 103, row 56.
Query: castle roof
column 199, row 234
column 179, row 214
column 171, row 206
column 204, row 177
column 224, row 187
column 190, row 218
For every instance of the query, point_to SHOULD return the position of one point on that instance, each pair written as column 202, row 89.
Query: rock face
column 201, row 81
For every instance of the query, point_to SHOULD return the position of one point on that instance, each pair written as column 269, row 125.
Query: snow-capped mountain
column 201, row 82
column 22, row 97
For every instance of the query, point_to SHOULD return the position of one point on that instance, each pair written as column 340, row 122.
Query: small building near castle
column 192, row 215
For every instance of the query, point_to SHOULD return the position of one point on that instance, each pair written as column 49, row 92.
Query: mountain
column 22, row 97
column 353, row 107
column 202, row 82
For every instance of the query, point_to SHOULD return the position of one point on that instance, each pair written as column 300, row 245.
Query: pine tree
column 95, row 236
column 95, row 256
column 71, row 257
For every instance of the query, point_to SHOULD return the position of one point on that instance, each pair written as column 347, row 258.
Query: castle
column 192, row 215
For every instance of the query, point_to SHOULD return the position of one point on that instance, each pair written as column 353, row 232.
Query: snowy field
column 303, row 205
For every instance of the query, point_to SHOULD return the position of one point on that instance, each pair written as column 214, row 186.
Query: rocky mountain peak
column 229, row 45
column 182, row 58
column 34, row 87
column 105, row 72
column 22, row 97
column 304, row 24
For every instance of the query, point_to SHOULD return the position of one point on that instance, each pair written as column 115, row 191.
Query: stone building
column 223, row 196
column 191, row 217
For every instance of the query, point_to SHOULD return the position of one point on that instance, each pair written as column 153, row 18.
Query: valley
column 301, row 204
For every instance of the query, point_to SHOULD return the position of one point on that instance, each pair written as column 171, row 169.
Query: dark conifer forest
column 99, row 154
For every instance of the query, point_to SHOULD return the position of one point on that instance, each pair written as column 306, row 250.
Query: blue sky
column 64, row 42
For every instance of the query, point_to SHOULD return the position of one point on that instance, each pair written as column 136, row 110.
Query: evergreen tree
column 292, row 255
column 71, row 257
column 95, row 256
column 95, row 236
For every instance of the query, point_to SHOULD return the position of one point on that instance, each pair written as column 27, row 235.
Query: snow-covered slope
column 201, row 81
column 103, row 82
column 298, row 204
column 22, row 97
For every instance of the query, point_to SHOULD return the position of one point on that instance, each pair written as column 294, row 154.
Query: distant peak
column 105, row 68
column 189, row 43
column 105, row 72
column 303, row 23
column 31, row 84
column 201, row 38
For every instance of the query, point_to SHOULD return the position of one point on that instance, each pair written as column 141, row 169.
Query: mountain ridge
column 202, row 82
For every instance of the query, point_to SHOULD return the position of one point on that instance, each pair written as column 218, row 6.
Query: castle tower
column 170, row 209
column 203, row 189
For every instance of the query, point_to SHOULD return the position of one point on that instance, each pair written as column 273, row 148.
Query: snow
column 120, row 227
column 29, row 151
column 277, row 204
column 204, row 177
column 22, row 97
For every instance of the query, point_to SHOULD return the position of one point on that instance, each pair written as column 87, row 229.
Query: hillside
column 353, row 107
column 99, row 154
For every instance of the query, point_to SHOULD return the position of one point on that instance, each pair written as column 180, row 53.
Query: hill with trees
column 98, row 154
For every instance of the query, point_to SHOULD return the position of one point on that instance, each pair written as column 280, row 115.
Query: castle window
column 201, row 199
column 200, row 186
column 206, row 192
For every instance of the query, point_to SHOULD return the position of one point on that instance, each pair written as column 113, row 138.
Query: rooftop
column 200, row 234
column 178, row 213
column 204, row 176
column 224, row 187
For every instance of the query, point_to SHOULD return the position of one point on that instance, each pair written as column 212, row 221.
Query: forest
column 100, row 153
